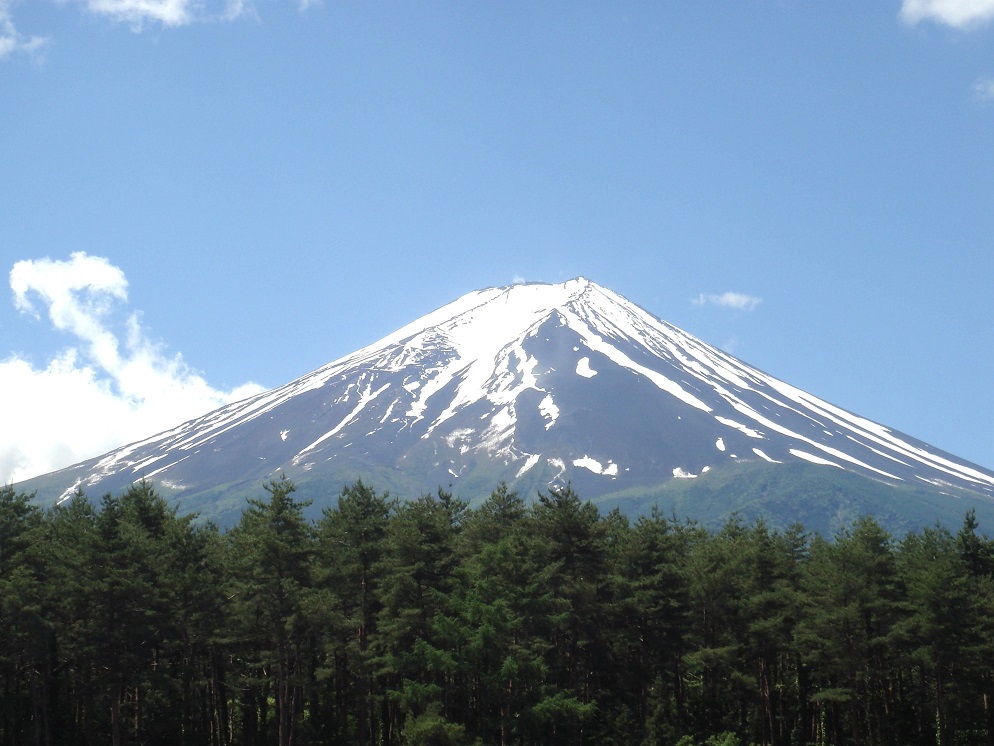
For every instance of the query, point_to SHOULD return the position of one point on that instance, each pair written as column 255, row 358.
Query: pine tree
column 417, row 575
column 944, row 630
column 350, row 545
column 654, row 564
column 271, row 572
column 24, row 631
column 721, row 683
column 571, row 543
column 849, row 637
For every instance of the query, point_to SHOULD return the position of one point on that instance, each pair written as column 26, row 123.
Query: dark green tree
column 24, row 630
column 943, row 627
column 849, row 638
column 416, row 569
column 271, row 552
column 350, row 545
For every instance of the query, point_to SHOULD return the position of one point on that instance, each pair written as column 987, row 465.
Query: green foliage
column 427, row 622
column 822, row 498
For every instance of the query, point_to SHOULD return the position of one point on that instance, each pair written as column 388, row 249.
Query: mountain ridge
column 529, row 383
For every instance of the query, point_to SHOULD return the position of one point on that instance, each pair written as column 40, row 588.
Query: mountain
column 539, row 384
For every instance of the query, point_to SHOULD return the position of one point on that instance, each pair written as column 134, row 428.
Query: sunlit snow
column 812, row 458
column 479, row 350
column 596, row 466
column 367, row 396
column 740, row 427
column 529, row 463
column 583, row 368
column 549, row 410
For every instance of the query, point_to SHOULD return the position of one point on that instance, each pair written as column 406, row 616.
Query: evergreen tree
column 657, row 610
column 849, row 638
column 721, row 684
column 350, row 546
column 571, row 543
column 944, row 631
column 24, row 632
column 417, row 575
column 271, row 553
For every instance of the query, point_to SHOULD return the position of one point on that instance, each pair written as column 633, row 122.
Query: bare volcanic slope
column 534, row 384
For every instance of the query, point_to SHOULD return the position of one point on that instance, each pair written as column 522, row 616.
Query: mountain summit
column 534, row 384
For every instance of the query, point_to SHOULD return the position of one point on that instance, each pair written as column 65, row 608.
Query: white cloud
column 136, row 12
column 114, row 386
column 174, row 12
column 983, row 90
column 738, row 301
column 11, row 40
column 960, row 14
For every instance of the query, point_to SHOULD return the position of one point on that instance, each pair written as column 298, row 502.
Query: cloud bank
column 738, row 301
column 960, row 14
column 113, row 385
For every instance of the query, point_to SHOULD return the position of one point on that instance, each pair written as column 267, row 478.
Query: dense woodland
column 425, row 622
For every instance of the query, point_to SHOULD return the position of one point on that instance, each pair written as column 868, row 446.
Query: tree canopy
column 517, row 622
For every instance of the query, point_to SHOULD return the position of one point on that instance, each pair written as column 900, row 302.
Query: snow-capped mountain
column 535, row 384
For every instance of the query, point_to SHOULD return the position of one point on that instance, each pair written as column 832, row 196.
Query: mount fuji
column 538, row 385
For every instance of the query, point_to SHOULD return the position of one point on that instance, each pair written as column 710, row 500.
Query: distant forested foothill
column 426, row 622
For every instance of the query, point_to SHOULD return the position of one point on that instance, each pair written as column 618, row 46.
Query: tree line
column 427, row 622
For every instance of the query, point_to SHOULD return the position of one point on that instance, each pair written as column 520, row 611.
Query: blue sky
column 200, row 198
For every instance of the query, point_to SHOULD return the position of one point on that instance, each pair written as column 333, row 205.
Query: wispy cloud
column 113, row 385
column 138, row 14
column 738, row 301
column 983, row 89
column 165, row 12
column 960, row 14
column 11, row 40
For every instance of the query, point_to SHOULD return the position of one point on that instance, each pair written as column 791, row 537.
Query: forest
column 519, row 621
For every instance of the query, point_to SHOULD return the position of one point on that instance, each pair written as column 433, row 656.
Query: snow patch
column 720, row 445
column 765, row 457
column 462, row 433
column 501, row 427
column 161, row 469
column 549, row 410
column 529, row 463
column 591, row 464
column 739, row 426
column 812, row 458
column 596, row 343
column 679, row 473
column 583, row 368
column 365, row 398
column 283, row 434
column 559, row 464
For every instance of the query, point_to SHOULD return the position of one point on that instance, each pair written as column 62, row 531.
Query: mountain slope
column 534, row 384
